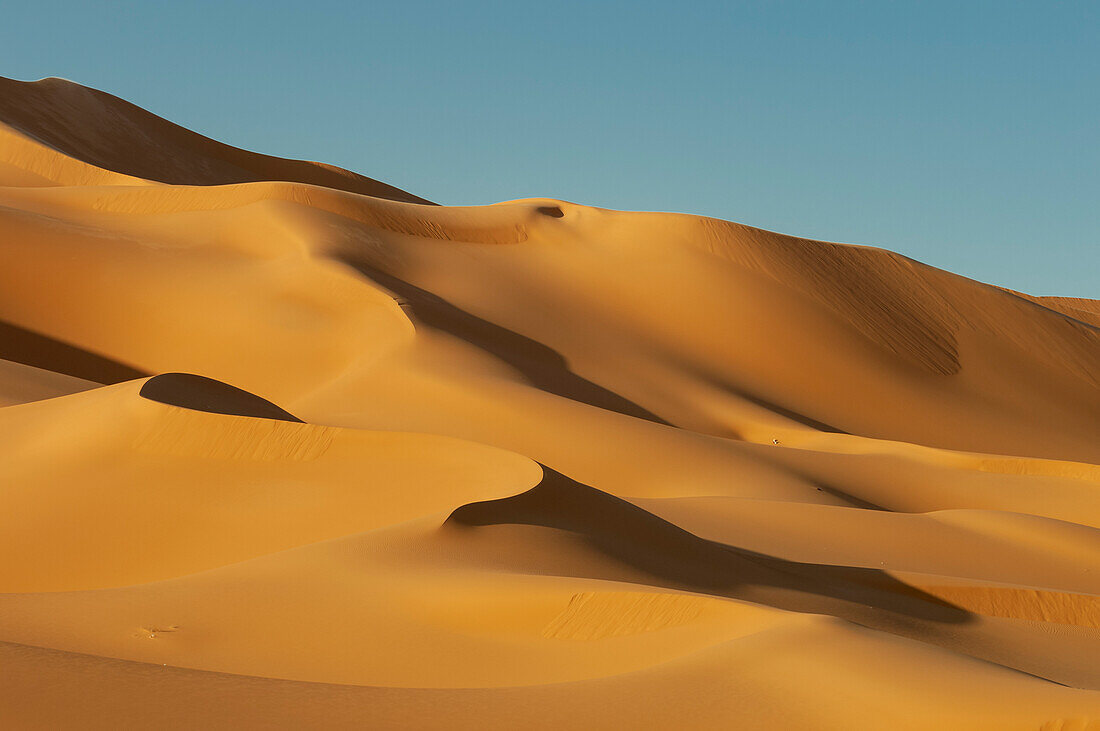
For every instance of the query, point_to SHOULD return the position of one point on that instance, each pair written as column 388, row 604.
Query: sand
column 286, row 447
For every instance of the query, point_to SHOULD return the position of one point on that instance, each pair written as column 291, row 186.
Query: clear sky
column 963, row 134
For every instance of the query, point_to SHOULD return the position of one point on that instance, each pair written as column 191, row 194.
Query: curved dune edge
column 110, row 133
column 27, row 162
column 175, row 490
column 358, row 458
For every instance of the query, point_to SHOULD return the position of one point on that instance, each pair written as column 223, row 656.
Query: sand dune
column 284, row 446
column 101, row 130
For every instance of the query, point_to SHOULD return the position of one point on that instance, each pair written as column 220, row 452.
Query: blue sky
column 963, row 134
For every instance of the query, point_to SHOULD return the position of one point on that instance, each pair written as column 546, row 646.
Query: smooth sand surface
column 282, row 446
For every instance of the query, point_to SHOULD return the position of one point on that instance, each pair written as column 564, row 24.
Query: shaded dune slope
column 206, row 394
column 21, row 345
column 110, row 133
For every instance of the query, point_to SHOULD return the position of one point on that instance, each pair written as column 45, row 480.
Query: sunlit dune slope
column 153, row 479
column 283, row 446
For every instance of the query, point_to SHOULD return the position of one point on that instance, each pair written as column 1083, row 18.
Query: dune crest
column 102, row 130
column 287, row 447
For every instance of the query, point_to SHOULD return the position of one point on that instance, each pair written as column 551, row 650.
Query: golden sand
column 287, row 447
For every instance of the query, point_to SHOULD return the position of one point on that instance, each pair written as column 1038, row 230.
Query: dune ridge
column 100, row 129
column 287, row 447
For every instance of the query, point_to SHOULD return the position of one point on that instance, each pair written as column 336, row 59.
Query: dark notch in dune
column 206, row 394
column 103, row 130
column 552, row 211
column 20, row 345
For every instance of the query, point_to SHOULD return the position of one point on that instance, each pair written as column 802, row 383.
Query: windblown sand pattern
column 593, row 616
column 189, row 433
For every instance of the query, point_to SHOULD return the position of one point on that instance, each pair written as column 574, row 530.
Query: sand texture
column 282, row 446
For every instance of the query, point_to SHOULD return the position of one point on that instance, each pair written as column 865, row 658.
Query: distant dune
column 287, row 447
column 99, row 129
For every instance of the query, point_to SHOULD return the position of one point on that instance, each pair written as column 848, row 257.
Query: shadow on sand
column 24, row 346
column 542, row 366
column 206, row 394
column 676, row 558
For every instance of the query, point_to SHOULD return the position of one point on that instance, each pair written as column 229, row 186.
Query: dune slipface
column 286, row 447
